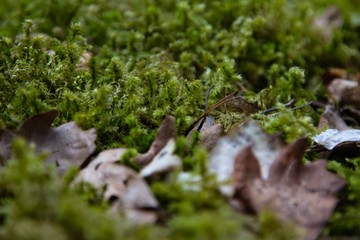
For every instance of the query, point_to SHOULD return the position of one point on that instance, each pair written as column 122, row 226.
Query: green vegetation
column 151, row 58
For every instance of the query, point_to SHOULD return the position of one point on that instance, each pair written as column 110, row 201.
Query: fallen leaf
column 124, row 189
column 67, row 145
column 166, row 132
column 334, row 73
column 210, row 132
column 301, row 194
column 265, row 147
column 211, row 135
column 331, row 119
column 332, row 138
column 344, row 91
column 239, row 104
column 164, row 161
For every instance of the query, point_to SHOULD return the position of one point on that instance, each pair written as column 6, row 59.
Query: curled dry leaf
column 301, row 194
column 67, row 145
column 166, row 132
column 265, row 147
column 209, row 132
column 332, row 138
column 124, row 189
column 331, row 119
column 164, row 161
column 211, row 135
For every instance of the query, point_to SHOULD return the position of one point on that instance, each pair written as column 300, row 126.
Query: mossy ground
column 151, row 58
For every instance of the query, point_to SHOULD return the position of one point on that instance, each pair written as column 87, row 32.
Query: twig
column 206, row 105
column 288, row 105
column 224, row 100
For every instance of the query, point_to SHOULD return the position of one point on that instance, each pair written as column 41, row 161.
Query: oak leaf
column 125, row 190
column 302, row 194
column 222, row 158
column 67, row 145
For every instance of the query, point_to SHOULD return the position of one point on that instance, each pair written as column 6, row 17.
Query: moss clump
column 120, row 66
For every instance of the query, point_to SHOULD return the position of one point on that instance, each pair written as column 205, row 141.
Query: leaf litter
column 254, row 170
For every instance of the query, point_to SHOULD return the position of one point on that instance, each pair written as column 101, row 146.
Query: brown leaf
column 68, row 145
column 246, row 170
column 124, row 189
column 345, row 92
column 166, row 132
column 331, row 119
column 308, row 210
column 163, row 162
column 239, row 104
column 266, row 149
column 301, row 194
column 286, row 167
column 211, row 135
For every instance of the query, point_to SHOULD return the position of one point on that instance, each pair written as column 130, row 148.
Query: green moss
column 347, row 218
column 151, row 58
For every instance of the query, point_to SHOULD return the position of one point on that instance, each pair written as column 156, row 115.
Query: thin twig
column 295, row 108
column 206, row 105
column 224, row 100
column 288, row 105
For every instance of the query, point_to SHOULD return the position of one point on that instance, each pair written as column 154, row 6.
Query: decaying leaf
column 124, row 189
column 339, row 87
column 67, row 145
column 332, row 138
column 164, row 161
column 239, row 104
column 166, row 132
column 331, row 119
column 301, row 194
column 211, row 135
column 345, row 92
column 266, row 148
column 210, row 132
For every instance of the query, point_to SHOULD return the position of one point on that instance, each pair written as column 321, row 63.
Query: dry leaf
column 345, row 92
column 166, row 132
column 332, row 119
column 211, row 135
column 209, row 132
column 68, row 145
column 124, row 189
column 239, row 104
column 332, row 138
column 266, row 148
column 164, row 161
column 301, row 194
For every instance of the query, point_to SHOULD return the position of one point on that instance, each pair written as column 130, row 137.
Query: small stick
column 224, row 100
column 295, row 108
column 206, row 105
column 288, row 105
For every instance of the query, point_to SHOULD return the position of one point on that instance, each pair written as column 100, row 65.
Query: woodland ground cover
column 120, row 66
